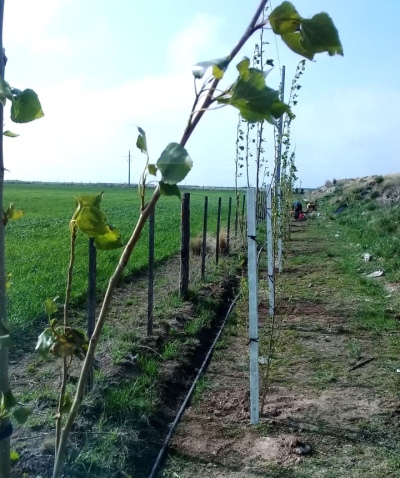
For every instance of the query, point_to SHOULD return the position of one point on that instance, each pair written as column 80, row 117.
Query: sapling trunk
column 5, row 466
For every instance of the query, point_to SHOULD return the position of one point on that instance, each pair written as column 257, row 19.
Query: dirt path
column 331, row 408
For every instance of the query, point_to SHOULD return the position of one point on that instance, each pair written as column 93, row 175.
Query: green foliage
column 141, row 141
column 8, row 408
column 25, row 106
column 62, row 342
column 169, row 190
column 218, row 67
column 285, row 19
column 11, row 214
column 174, row 164
column 92, row 221
column 307, row 37
column 10, row 134
column 250, row 95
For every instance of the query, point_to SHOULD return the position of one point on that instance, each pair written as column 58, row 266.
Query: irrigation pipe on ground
column 181, row 410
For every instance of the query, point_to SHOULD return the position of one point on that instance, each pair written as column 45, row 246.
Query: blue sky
column 101, row 68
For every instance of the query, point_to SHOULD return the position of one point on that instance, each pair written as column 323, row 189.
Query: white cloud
column 26, row 23
column 85, row 129
column 193, row 41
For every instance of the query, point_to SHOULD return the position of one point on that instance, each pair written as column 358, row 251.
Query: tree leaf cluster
column 92, row 221
column 174, row 165
column 25, row 105
column 11, row 214
column 252, row 97
column 307, row 37
column 9, row 407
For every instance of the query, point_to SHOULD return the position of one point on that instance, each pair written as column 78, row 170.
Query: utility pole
column 129, row 168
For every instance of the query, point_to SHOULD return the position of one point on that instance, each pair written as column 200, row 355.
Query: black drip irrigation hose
column 178, row 417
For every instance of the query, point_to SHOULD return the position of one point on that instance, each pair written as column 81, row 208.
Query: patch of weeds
column 39, row 422
column 194, row 326
column 325, row 377
column 299, row 260
column 133, row 301
column 171, row 350
column 120, row 351
column 372, row 317
column 202, row 385
column 264, row 429
column 354, row 348
column 95, row 458
column 133, row 399
column 149, row 366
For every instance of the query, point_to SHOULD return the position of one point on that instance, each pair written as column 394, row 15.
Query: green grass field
column 37, row 246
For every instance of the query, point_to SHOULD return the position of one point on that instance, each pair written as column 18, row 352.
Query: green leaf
column 174, row 164
column 279, row 108
column 66, row 403
column 12, row 214
column 91, row 221
column 152, row 169
column 14, row 456
column 319, row 34
column 21, row 414
column 243, row 68
column 294, row 42
column 141, row 141
column 45, row 341
column 108, row 241
column 169, row 190
column 5, row 91
column 284, row 19
column 8, row 400
column 51, row 306
column 85, row 199
column 10, row 134
column 26, row 107
column 218, row 66
column 253, row 98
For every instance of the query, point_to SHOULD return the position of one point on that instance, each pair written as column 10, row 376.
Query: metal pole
column 91, row 301
column 150, row 279
column 253, row 306
column 228, row 232
column 204, row 248
column 218, row 231
column 270, row 254
column 185, row 247
column 278, row 190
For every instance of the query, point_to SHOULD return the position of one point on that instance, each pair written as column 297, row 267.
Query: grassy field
column 37, row 246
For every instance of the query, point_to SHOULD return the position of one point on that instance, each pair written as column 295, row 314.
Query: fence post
column 237, row 199
column 150, row 276
column 242, row 220
column 91, row 298
column 228, row 232
column 185, row 246
column 204, row 248
column 218, row 230
column 270, row 254
column 253, row 307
